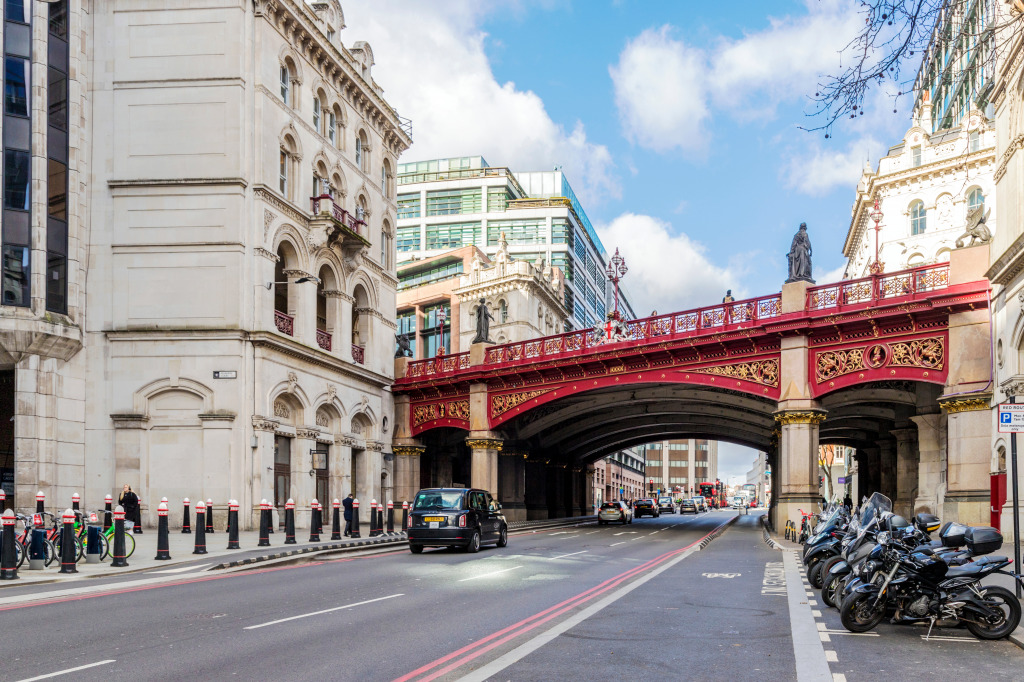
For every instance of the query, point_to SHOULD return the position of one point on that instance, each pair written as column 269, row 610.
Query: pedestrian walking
column 130, row 502
column 347, row 503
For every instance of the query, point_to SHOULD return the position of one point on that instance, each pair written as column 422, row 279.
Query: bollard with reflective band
column 118, row 552
column 40, row 502
column 3, row 498
column 137, row 527
column 68, row 547
column 391, row 517
column 200, row 547
column 405, row 515
column 209, row 515
column 314, row 521
column 108, row 514
column 8, row 554
column 289, row 522
column 75, row 500
column 264, row 524
column 186, row 524
column 336, row 520
column 233, row 525
column 319, row 518
column 163, row 546
column 354, row 533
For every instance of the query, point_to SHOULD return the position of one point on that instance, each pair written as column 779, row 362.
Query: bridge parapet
column 878, row 288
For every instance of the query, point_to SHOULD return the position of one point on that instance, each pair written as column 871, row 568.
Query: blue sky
column 676, row 122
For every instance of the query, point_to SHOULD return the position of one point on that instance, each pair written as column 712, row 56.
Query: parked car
column 665, row 504
column 646, row 506
column 455, row 517
column 618, row 512
column 687, row 505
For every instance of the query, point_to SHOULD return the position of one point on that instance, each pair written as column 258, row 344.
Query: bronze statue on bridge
column 800, row 257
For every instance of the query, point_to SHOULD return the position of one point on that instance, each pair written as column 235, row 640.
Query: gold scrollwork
column 453, row 409
column 800, row 417
column 500, row 404
column 407, row 450
column 484, row 444
column 764, row 372
column 928, row 353
column 964, row 405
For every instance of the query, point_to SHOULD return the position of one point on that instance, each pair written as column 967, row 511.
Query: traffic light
column 650, row 485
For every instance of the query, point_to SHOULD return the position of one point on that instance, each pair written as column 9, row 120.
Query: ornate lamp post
column 616, row 270
column 442, row 317
column 876, row 215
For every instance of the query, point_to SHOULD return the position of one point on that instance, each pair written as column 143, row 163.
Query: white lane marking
column 838, row 677
column 65, row 672
column 183, row 569
column 589, row 532
column 317, row 613
column 824, row 637
column 831, row 656
column 487, row 575
column 816, row 614
column 626, row 532
column 808, row 653
column 617, row 543
column 852, row 634
column 565, row 555
column 944, row 638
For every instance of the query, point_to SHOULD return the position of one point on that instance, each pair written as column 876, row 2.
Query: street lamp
column 876, row 215
column 616, row 270
column 300, row 280
column 442, row 317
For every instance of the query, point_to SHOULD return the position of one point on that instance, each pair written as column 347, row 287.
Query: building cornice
column 1009, row 264
column 299, row 351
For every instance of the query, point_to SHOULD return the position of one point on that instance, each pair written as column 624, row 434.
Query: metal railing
column 326, row 204
column 440, row 365
column 323, row 339
column 878, row 287
column 284, row 323
column 358, row 354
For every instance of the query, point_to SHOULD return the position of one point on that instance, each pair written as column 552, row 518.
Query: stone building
column 685, row 463
column 617, row 477
column 230, row 212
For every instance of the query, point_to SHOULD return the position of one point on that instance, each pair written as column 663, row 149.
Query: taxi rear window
column 609, row 505
column 438, row 500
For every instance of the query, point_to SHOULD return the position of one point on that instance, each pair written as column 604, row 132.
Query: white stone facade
column 211, row 124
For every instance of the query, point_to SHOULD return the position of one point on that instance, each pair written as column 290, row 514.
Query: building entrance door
column 321, row 462
column 282, row 472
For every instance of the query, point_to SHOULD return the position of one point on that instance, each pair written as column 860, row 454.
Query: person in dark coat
column 129, row 501
column 347, row 503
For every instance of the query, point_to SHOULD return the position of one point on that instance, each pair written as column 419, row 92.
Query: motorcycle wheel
column 814, row 575
column 859, row 613
column 1006, row 603
column 827, row 586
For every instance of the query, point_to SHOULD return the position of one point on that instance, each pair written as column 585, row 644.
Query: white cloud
column 819, row 169
column 668, row 271
column 431, row 61
column 661, row 93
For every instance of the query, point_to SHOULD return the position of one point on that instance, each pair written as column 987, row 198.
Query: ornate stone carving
column 281, row 410
column 307, row 433
column 332, row 391
column 322, row 420
column 408, row 450
column 375, row 445
column 451, row 409
column 764, row 372
column 268, row 220
column 800, row 417
column 269, row 255
column 484, row 444
column 260, row 423
column 500, row 404
column 346, row 439
column 928, row 353
column 293, row 381
column 954, row 405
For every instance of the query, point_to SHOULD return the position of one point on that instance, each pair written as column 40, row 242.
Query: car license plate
column 434, row 524
column 428, row 519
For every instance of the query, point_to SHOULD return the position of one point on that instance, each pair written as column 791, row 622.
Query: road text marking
column 774, row 581
column 317, row 613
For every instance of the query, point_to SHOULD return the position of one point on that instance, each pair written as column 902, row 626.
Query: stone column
column 931, row 466
column 536, row 490
column 302, row 306
column 343, row 334
column 407, row 472
column 906, row 472
column 590, row 497
column 887, row 467
column 262, row 485
column 484, row 460
column 969, row 432
column 796, row 481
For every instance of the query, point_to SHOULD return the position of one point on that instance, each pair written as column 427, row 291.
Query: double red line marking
column 480, row 647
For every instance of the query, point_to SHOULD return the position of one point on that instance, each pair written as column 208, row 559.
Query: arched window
column 359, row 152
column 332, row 128
column 286, row 85
column 338, row 119
column 287, row 167
column 504, row 311
column 317, row 117
column 283, row 173
column 918, row 218
column 362, row 151
column 975, row 198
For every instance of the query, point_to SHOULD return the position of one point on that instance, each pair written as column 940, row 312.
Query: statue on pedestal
column 404, row 349
column 483, row 324
column 800, row 257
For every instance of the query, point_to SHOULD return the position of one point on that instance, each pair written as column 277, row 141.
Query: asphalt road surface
column 616, row 602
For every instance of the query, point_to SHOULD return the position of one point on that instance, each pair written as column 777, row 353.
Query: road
column 616, row 601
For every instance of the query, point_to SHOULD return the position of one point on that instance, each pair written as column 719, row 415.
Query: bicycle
column 106, row 540
column 23, row 540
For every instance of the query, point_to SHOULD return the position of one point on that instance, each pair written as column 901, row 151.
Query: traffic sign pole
column 1016, row 502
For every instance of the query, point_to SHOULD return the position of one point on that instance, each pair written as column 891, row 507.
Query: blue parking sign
column 1011, row 418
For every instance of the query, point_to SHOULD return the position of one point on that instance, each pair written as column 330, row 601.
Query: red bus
column 714, row 494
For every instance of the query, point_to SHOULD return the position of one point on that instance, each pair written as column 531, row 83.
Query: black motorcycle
column 916, row 586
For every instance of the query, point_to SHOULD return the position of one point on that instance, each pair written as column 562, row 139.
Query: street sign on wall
column 1011, row 418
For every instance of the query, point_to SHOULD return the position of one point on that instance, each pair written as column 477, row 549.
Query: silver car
column 618, row 512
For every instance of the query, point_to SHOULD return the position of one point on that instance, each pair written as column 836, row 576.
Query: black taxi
column 455, row 517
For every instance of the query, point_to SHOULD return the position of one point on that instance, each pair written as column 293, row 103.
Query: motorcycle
column 825, row 543
column 858, row 544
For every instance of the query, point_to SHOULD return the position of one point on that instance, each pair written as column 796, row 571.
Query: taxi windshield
column 439, row 499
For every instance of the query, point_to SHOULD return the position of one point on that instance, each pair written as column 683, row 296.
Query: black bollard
column 68, row 548
column 355, row 519
column 375, row 515
column 137, row 528
column 391, row 517
column 8, row 554
column 108, row 515
column 233, row 525
column 289, row 522
column 40, row 502
column 200, row 528
column 314, row 522
column 75, row 500
column 264, row 524
column 163, row 547
column 119, row 551
column 319, row 518
column 336, row 520
column 405, row 516
column 209, row 516
column 3, row 499
column 186, row 523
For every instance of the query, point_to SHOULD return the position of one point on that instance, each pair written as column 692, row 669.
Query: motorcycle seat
column 965, row 570
column 990, row 559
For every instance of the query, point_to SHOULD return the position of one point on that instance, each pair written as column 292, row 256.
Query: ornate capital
column 484, row 444
column 966, row 404
column 346, row 439
column 269, row 255
column 408, row 450
column 375, row 445
column 800, row 417
column 1014, row 386
column 307, row 432
column 129, row 420
column 260, row 423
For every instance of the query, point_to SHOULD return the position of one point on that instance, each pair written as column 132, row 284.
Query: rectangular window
column 654, row 462
column 285, row 84
column 916, row 156
column 15, row 86
column 677, row 462
column 568, row 299
column 59, row 19
column 15, row 275
column 283, row 174
column 452, row 235
column 435, row 274
column 561, row 232
column 454, row 201
column 591, row 297
column 409, row 238
column 316, row 114
column 498, row 198
column 57, row 189
column 332, row 125
column 516, row 231
column 592, row 267
column 678, row 446
column 57, row 96
column 580, row 312
column 17, row 174
column 56, row 282
column 408, row 206
column 975, row 141
column 14, row 10
column 581, row 251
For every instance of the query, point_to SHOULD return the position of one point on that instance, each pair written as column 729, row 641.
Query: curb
column 395, row 539
column 1017, row 637
column 768, row 540
column 718, row 531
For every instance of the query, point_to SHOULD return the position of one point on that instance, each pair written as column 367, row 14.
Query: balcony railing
column 358, row 354
column 879, row 287
column 323, row 339
column 284, row 323
column 325, row 204
column 439, row 365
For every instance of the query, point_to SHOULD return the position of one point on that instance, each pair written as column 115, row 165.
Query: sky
column 678, row 124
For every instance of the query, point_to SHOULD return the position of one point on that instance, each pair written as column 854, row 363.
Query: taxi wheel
column 474, row 543
column 503, row 538
column 415, row 549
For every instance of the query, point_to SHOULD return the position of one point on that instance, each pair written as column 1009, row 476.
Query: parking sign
column 1011, row 418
